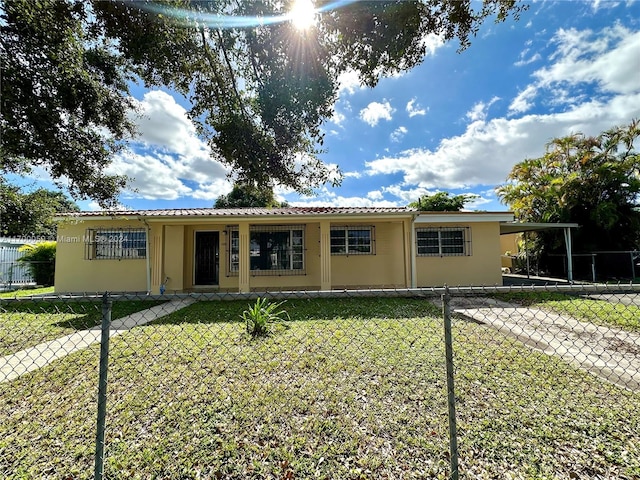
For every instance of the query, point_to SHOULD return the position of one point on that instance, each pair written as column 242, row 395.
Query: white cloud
column 414, row 109
column 398, row 133
column 338, row 118
column 374, row 112
column 407, row 195
column 348, row 83
column 611, row 60
column 211, row 191
column 478, row 202
column 327, row 198
column 167, row 153
column 523, row 60
column 92, row 206
column 480, row 109
column 164, row 123
column 375, row 195
column 524, row 100
column 151, row 178
column 432, row 42
column 486, row 151
column 165, row 156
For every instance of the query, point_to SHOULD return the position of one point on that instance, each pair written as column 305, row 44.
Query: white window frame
column 347, row 247
column 443, row 247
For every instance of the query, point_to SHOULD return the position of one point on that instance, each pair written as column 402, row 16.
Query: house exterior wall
column 509, row 243
column 388, row 267
column 230, row 280
column 171, row 257
column 482, row 267
column 75, row 274
column 385, row 268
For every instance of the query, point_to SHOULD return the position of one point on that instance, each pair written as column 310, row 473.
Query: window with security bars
column 443, row 241
column 273, row 250
column 352, row 240
column 115, row 244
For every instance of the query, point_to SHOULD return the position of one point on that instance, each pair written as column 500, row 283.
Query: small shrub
column 261, row 317
column 41, row 261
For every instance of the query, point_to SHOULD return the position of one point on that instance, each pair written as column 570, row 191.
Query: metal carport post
column 567, row 244
column 507, row 228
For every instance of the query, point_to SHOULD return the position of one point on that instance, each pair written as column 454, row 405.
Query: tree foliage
column 249, row 195
column 260, row 89
column 64, row 96
column 31, row 214
column 592, row 181
column 443, row 202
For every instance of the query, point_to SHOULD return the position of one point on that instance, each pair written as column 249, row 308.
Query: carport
column 508, row 228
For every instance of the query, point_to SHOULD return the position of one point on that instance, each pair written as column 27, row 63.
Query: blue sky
column 458, row 122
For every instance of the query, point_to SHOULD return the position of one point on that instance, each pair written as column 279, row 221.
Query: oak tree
column 259, row 88
column 31, row 214
column 443, row 202
column 249, row 195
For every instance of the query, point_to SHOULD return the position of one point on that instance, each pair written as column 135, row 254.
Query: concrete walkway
column 609, row 353
column 25, row 361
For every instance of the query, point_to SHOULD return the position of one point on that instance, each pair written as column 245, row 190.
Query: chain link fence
column 520, row 382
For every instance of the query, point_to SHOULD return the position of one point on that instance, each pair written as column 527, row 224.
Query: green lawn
column 599, row 312
column 353, row 389
column 26, row 324
column 27, row 292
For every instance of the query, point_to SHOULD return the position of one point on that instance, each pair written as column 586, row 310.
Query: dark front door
column 207, row 258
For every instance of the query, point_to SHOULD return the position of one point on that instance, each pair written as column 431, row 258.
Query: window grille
column 443, row 241
column 352, row 240
column 273, row 250
column 115, row 244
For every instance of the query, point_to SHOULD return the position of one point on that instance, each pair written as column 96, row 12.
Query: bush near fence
column 15, row 272
column 521, row 382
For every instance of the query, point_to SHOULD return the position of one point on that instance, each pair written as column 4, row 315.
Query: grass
column 26, row 324
column 599, row 312
column 354, row 389
column 25, row 292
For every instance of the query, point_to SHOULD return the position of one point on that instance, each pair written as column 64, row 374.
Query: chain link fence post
column 451, row 395
column 102, row 386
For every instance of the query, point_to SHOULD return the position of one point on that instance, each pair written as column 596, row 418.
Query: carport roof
column 518, row 227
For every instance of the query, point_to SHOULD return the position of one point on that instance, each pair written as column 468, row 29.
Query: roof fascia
column 235, row 218
column 270, row 219
column 454, row 217
column 521, row 227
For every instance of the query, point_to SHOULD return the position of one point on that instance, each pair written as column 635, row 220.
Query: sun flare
column 303, row 14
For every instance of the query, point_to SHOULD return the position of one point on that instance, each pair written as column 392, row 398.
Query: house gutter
column 148, row 255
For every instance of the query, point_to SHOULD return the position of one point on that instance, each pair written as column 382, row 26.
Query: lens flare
column 302, row 14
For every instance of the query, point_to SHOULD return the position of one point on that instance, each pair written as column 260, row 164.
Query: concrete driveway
column 610, row 353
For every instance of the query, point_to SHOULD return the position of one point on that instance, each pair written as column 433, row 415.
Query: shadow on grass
column 77, row 315
column 309, row 310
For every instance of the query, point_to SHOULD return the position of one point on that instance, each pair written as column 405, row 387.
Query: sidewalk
column 25, row 361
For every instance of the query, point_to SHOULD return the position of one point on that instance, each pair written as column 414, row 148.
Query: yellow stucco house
column 258, row 249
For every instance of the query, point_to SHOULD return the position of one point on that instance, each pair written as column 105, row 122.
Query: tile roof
column 239, row 212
